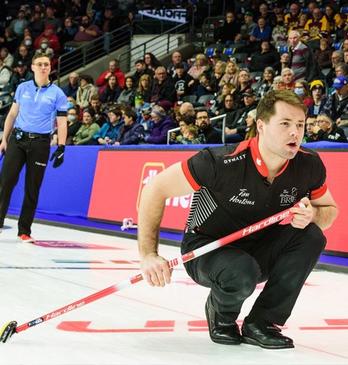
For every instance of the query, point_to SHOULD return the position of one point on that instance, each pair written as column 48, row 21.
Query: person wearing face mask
column 302, row 90
column 74, row 125
column 49, row 37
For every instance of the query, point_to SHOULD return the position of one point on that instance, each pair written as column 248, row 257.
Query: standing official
column 26, row 140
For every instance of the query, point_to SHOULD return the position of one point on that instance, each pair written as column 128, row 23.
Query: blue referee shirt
column 39, row 107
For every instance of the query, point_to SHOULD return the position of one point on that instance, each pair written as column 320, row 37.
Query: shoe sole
column 221, row 342
column 251, row 341
column 26, row 241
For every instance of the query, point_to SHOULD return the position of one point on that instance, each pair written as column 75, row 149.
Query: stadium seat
column 229, row 51
column 337, row 46
column 282, row 49
column 344, row 10
column 189, row 98
column 210, row 51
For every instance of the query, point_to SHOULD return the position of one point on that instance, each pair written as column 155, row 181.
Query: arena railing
column 79, row 54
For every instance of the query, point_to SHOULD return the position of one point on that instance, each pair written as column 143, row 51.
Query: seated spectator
column 9, row 40
column 37, row 24
column 317, row 26
column 182, row 81
column 236, row 120
column 151, row 61
column 229, row 31
column 111, row 91
column 50, row 37
column 110, row 21
column 278, row 83
column 279, row 32
column 266, row 82
column 218, row 73
column 200, row 65
column 74, row 125
column 113, row 69
column 87, row 31
column 84, row 136
column 309, row 135
column 204, row 86
column 231, row 73
column 211, row 135
column 262, row 32
column 327, row 130
column 284, row 61
column 323, row 54
column 176, row 60
column 127, row 95
column 69, row 30
column 140, row 70
column 143, row 91
column 18, row 24
column 189, row 135
column 20, row 74
column 45, row 49
column 5, row 76
column 251, row 128
column 186, row 110
column 162, row 124
column 163, row 87
column 244, row 84
column 266, row 57
column 6, row 57
column 317, row 90
column 227, row 104
column 110, row 130
column 288, row 75
column 301, row 89
column 23, row 55
column 246, row 28
column 28, row 42
column 131, row 132
column 85, row 91
column 51, row 19
column 96, row 106
column 336, row 59
column 73, row 84
column 144, row 118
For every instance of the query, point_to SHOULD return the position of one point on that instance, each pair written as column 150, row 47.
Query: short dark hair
column 140, row 61
column 130, row 113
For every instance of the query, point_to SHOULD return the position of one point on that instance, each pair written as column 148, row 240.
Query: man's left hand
column 58, row 156
column 302, row 216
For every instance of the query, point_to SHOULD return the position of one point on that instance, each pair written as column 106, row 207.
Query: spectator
column 229, row 31
column 200, row 65
column 231, row 73
column 204, row 86
column 301, row 89
column 309, row 135
column 267, row 56
column 302, row 61
column 323, row 54
column 246, row 29
column 279, row 32
column 140, row 70
column 211, row 135
column 163, row 87
column 327, row 130
column 278, row 83
column 5, row 75
column 284, row 61
column 18, row 24
column 182, row 81
column 45, row 49
column 336, row 58
column 143, row 92
column 151, row 61
column 288, row 76
column 6, row 57
column 113, row 69
column 87, row 31
column 244, row 84
column 111, row 92
column 189, row 135
column 88, row 129
column 266, row 14
column 20, row 74
column 9, row 40
column 187, row 110
column 74, row 125
column 51, row 20
column 317, row 26
column 110, row 21
column 176, row 60
column 110, row 130
column 95, row 106
column 50, row 37
column 36, row 25
column 73, row 84
column 251, row 130
column 85, row 91
column 265, row 83
column 69, row 30
column 262, row 32
column 162, row 124
column 23, row 55
column 336, row 106
column 227, row 104
column 218, row 73
column 317, row 90
column 127, row 95
column 131, row 132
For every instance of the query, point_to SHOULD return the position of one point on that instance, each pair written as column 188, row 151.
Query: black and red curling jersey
column 231, row 189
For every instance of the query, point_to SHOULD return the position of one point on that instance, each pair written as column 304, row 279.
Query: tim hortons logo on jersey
column 233, row 159
column 150, row 170
column 242, row 198
column 288, row 196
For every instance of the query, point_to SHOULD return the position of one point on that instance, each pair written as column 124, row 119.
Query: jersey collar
column 258, row 161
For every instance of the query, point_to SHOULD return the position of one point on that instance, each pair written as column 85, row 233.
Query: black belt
column 31, row 135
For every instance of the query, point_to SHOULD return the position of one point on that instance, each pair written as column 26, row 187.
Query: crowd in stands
column 259, row 47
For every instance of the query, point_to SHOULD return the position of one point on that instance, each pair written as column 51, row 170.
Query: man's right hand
column 3, row 147
column 155, row 270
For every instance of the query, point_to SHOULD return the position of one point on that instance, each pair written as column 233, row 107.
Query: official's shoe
column 266, row 335
column 26, row 239
column 220, row 330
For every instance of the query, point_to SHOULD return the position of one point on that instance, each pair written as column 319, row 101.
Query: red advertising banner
column 121, row 175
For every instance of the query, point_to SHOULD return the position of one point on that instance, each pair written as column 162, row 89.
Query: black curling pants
column 283, row 257
column 34, row 154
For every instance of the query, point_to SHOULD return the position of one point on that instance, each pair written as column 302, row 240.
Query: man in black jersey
column 235, row 186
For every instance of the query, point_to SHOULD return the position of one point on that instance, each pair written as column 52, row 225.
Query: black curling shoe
column 266, row 335
column 220, row 330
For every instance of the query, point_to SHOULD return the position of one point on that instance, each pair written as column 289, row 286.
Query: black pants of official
column 34, row 154
column 284, row 257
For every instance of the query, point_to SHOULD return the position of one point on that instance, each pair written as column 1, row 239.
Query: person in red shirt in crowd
column 49, row 34
column 113, row 69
